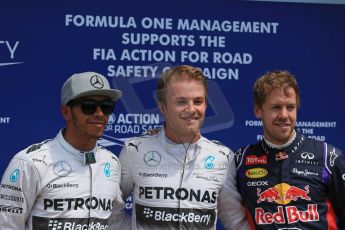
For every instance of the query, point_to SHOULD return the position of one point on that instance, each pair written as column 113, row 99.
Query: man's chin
column 192, row 130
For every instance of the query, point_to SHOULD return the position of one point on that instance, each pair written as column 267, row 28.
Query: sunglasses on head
column 89, row 107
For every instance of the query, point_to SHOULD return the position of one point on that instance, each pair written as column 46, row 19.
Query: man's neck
column 79, row 143
column 282, row 146
column 181, row 139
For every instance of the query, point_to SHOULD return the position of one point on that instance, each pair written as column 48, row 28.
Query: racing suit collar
column 75, row 153
column 283, row 146
column 288, row 148
column 172, row 148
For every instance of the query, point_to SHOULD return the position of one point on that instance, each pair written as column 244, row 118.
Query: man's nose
column 283, row 113
column 190, row 107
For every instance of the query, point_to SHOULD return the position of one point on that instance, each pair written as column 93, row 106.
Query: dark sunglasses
column 89, row 107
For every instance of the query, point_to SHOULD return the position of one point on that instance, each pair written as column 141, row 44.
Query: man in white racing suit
column 68, row 182
column 179, row 179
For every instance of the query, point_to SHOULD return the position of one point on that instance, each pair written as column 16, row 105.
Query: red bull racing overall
column 301, row 186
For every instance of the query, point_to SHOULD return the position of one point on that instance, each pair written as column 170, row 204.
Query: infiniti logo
column 62, row 169
column 97, row 82
column 307, row 155
column 152, row 158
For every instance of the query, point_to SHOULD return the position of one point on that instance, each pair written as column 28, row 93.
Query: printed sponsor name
column 292, row 214
column 64, row 185
column 255, row 160
column 304, row 172
column 179, row 194
column 78, row 203
column 159, row 175
column 76, row 226
column 257, row 183
column 69, row 223
column 183, row 217
column 11, row 209
column 175, row 218
column 11, row 187
column 256, row 173
column 11, row 198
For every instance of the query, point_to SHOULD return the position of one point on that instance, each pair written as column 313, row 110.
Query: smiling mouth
column 282, row 125
column 96, row 123
column 190, row 118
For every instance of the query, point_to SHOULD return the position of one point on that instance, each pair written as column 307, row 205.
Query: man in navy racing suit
column 287, row 180
column 68, row 182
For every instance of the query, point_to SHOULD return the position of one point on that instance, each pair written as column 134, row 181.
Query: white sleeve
column 230, row 209
column 127, row 180
column 18, row 192
column 120, row 219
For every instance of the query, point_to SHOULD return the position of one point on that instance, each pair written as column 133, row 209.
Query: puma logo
column 135, row 146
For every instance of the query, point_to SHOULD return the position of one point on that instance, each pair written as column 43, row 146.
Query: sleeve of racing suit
column 127, row 182
column 18, row 192
column 231, row 211
column 121, row 220
column 337, row 189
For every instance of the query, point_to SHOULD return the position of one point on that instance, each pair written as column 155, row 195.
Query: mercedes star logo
column 62, row 169
column 152, row 158
column 97, row 82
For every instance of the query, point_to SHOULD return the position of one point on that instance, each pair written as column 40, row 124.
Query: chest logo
column 62, row 169
column 255, row 173
column 208, row 163
column 152, row 158
column 308, row 156
column 14, row 175
column 107, row 169
column 256, row 160
column 283, row 193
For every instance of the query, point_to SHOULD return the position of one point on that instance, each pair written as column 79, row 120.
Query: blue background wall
column 41, row 44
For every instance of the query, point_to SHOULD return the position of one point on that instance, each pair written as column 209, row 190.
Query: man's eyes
column 195, row 102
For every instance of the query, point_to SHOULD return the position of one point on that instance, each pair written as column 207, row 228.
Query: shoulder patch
column 34, row 147
column 332, row 154
column 218, row 143
column 134, row 145
column 152, row 132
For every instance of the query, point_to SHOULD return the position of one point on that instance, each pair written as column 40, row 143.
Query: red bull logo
column 283, row 194
column 293, row 215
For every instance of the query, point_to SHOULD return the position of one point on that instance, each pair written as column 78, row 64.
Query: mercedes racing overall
column 180, row 187
column 51, row 186
column 299, row 187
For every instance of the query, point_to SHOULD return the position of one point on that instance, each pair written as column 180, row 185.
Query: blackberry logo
column 54, row 225
column 148, row 212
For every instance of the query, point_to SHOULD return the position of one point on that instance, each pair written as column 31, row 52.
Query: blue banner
column 132, row 42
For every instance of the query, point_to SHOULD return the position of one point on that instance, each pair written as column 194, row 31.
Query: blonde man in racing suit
column 180, row 179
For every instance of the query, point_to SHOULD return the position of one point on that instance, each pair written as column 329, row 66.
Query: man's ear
column 66, row 112
column 258, row 111
column 161, row 108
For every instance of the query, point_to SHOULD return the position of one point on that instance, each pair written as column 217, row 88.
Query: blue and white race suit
column 50, row 186
column 177, row 186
